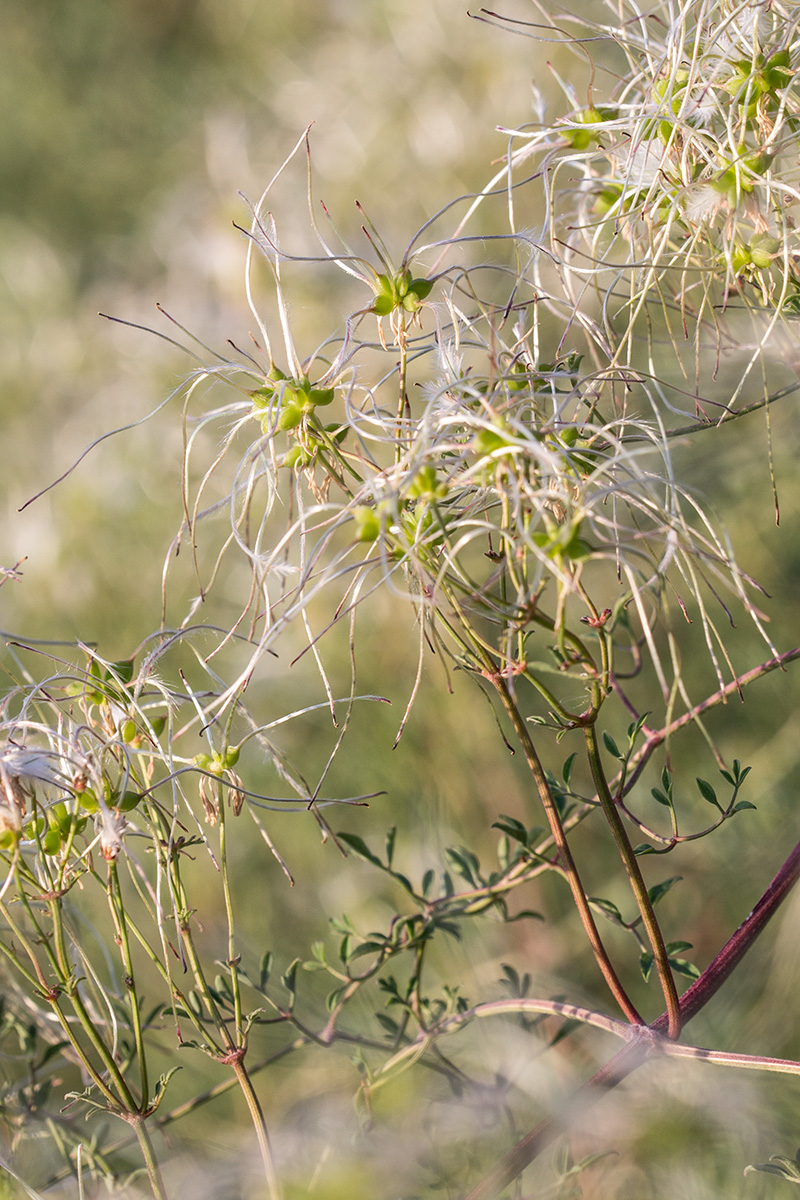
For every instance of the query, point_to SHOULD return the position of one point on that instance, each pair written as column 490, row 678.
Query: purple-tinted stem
column 644, row 1045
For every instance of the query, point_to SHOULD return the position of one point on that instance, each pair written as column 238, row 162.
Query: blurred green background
column 129, row 129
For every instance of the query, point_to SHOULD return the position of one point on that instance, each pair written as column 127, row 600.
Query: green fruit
column 368, row 524
column 291, row 415
column 88, row 801
column 128, row 801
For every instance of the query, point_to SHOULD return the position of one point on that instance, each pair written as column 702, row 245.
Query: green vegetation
column 410, row 767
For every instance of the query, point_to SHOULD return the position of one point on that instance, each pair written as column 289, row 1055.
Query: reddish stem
column 643, row 1046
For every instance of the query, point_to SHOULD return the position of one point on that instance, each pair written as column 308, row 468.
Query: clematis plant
column 506, row 472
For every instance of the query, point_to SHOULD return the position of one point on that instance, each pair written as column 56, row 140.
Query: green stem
column 638, row 886
column 560, row 840
column 126, row 1096
column 148, row 1154
column 39, row 983
column 120, row 923
column 401, row 403
column 183, row 918
column 175, row 993
column 226, row 891
column 56, row 951
column 249, row 1093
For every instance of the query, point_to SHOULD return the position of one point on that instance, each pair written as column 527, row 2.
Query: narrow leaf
column 659, row 890
column 606, row 908
column 390, row 840
column 611, row 746
column 707, row 792
column 360, row 847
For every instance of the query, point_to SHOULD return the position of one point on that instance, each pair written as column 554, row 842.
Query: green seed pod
column 383, row 304
column 421, row 287
column 764, row 249
column 262, row 397
column 51, row 842
column 581, row 139
column 128, row 801
column 368, row 524
column 297, row 457
column 487, row 441
column 88, row 801
column 35, row 828
column 291, row 415
column 425, row 486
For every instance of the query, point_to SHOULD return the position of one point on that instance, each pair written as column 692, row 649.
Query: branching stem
column 637, row 883
column 638, row 1051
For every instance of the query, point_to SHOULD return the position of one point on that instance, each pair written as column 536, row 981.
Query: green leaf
column 158, row 725
column 389, row 984
column 606, row 908
column 388, row 1023
column 464, row 863
column 360, row 848
column 390, row 840
column 786, row 1168
column 503, row 856
column 682, row 967
column 289, row 977
column 707, row 792
column 659, row 890
column 333, row 997
column 740, row 805
column 644, row 848
column 162, row 1083
column 121, row 670
column 517, row 986
column 524, row 914
column 658, row 795
column 566, row 770
column 612, row 747
column 679, row 965
column 635, row 728
column 367, row 948
column 342, row 924
column 514, row 828
column 265, row 969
